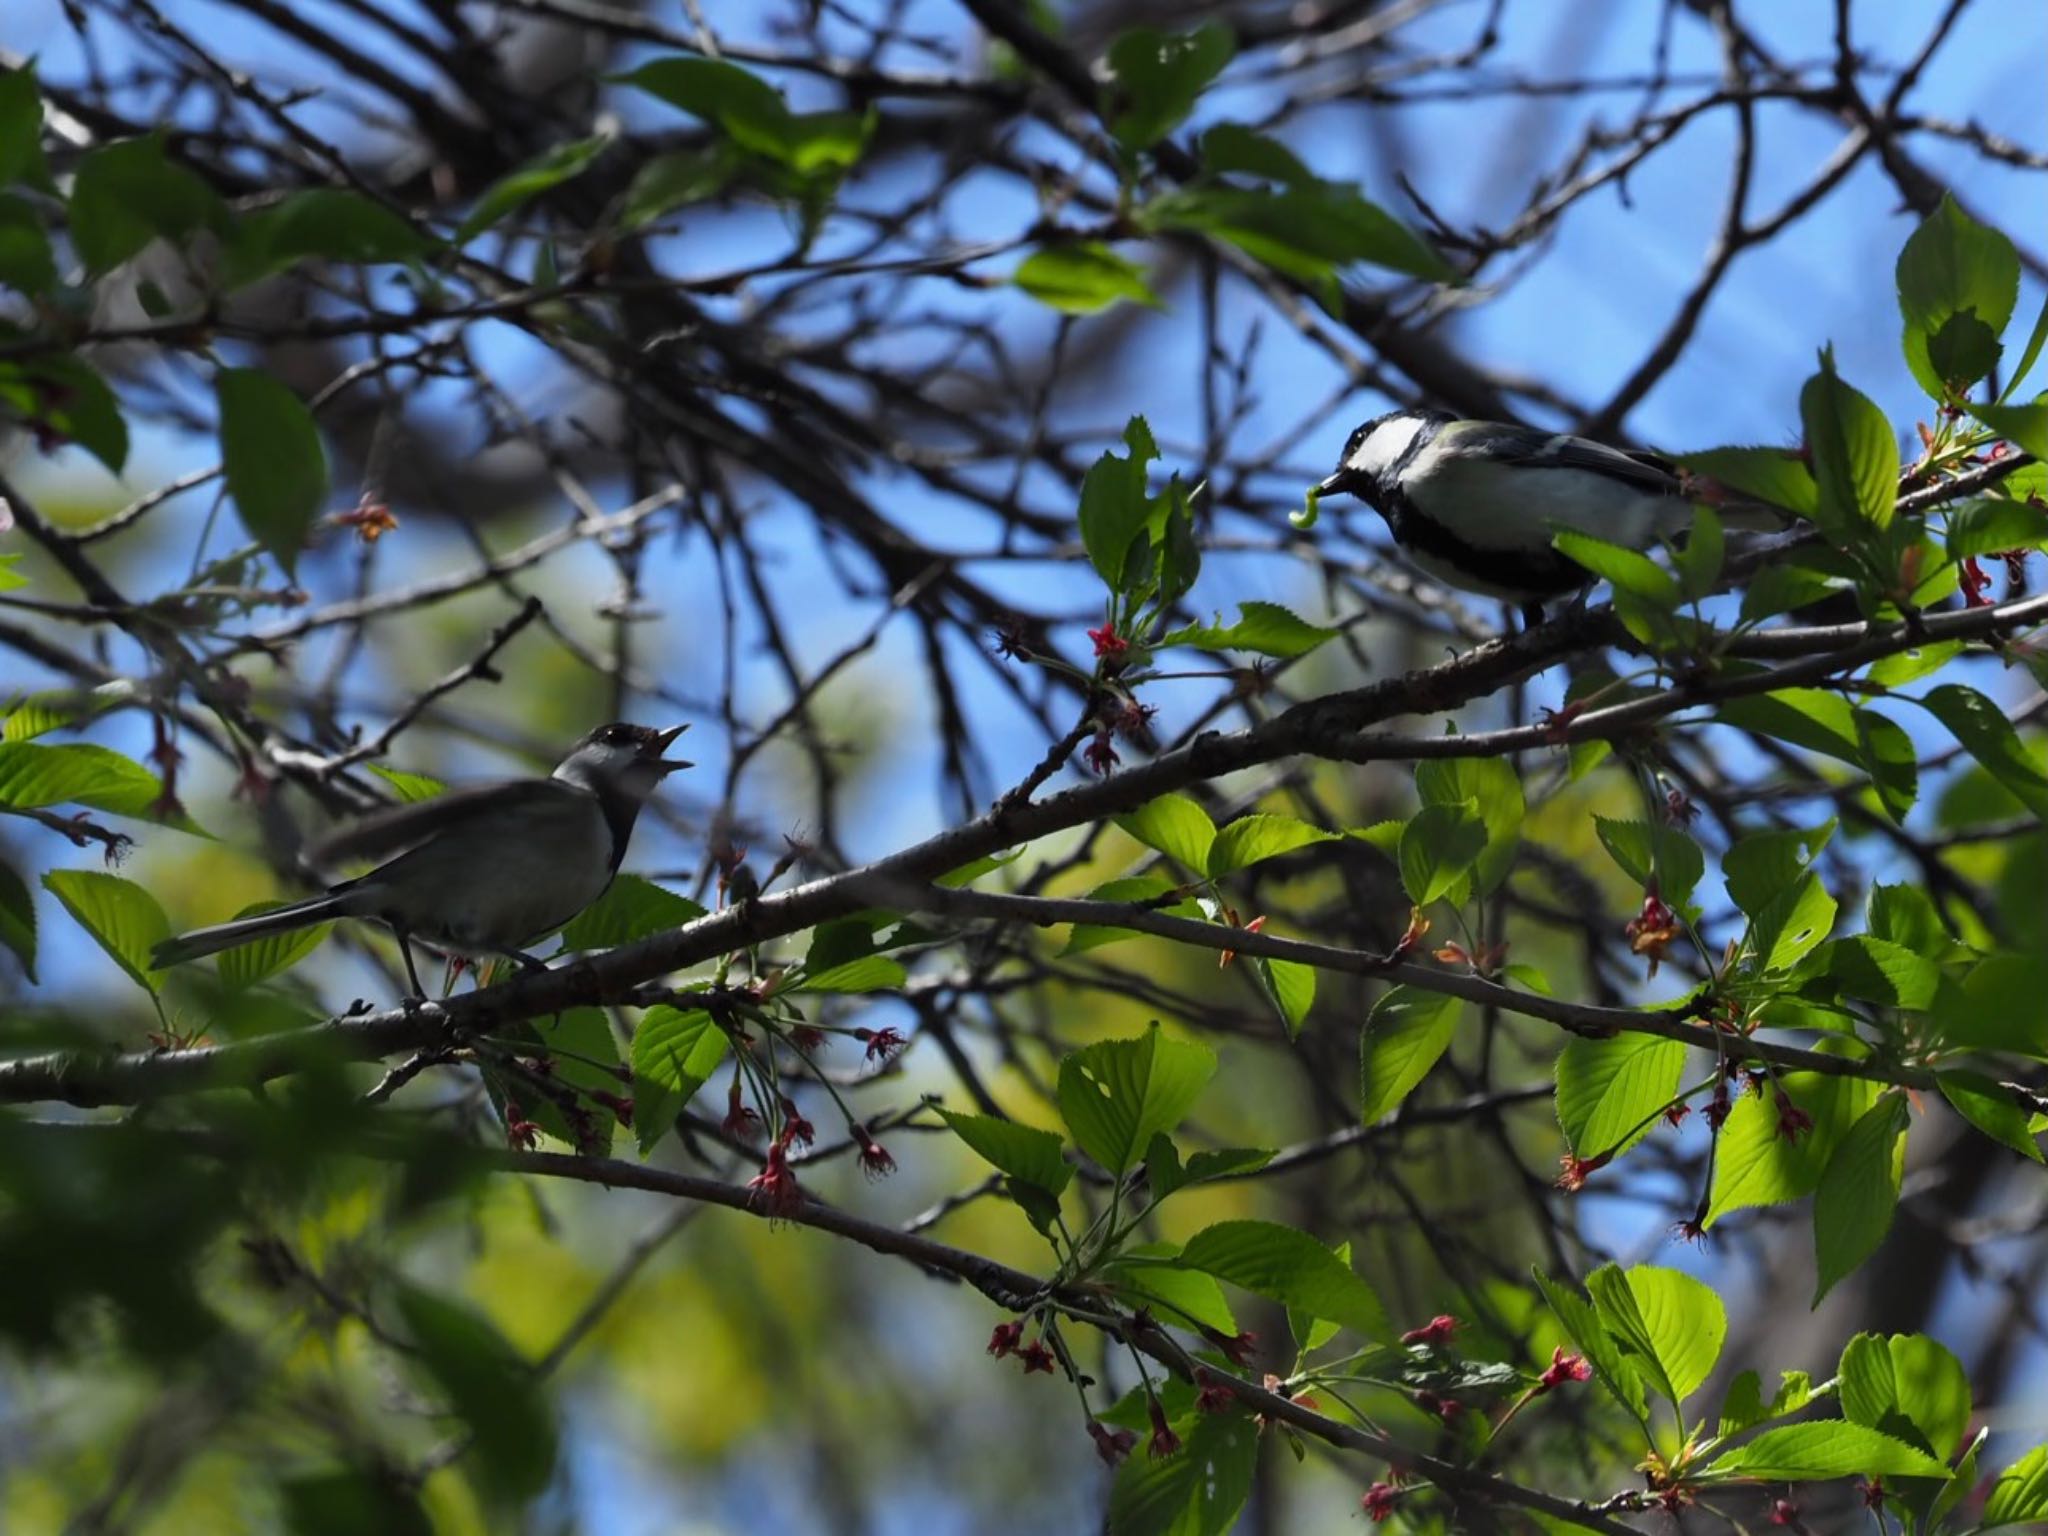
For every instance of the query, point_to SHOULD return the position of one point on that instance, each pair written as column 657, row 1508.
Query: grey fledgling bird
column 482, row 870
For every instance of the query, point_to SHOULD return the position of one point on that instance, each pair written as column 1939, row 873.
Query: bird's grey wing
column 1644, row 472
column 386, row 834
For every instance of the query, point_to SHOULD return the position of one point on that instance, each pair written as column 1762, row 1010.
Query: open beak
column 666, row 739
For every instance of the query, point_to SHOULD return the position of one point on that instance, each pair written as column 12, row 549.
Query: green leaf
column 1176, row 826
column 1267, row 629
column 1997, row 1006
column 1907, row 1386
column 751, row 111
column 1991, row 1109
column 1117, row 1095
column 754, row 116
column 1831, row 1448
column 631, row 908
column 1763, row 866
column 1250, row 839
column 1891, row 760
column 1806, row 717
column 1308, row 232
column 1909, row 666
column 676, row 180
column 1852, row 1209
column 1783, row 585
column 1082, row 279
column 584, row 1053
column 518, row 187
column 1114, row 505
column 1232, row 147
column 1646, row 853
column 1630, row 570
column 1986, row 734
column 1993, row 524
column 1438, row 849
column 1905, row 915
column 1163, row 1165
column 327, row 223
column 1877, row 971
column 1855, row 454
column 1777, row 476
column 1290, row 1267
column 1406, row 1032
column 2029, row 354
column 1745, row 1407
column 1953, row 266
column 21, row 126
column 1583, row 1325
column 1964, row 350
column 1180, row 1296
column 1491, row 784
column 270, row 451
column 490, row 1387
column 674, row 1054
column 1196, row 1493
column 2021, row 1492
column 350, row 1500
column 1157, row 77
column 1154, row 891
column 1022, row 1151
column 870, row 973
column 122, row 917
column 1786, row 928
column 18, row 919
column 409, row 787
column 68, row 401
column 76, row 773
column 246, row 964
column 27, row 263
column 1670, row 1322
column 1291, row 986
column 1609, row 1092
column 1755, row 1165
column 1699, row 562
column 2023, row 425
column 127, row 193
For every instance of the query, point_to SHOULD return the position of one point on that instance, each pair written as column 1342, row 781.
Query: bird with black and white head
column 1475, row 503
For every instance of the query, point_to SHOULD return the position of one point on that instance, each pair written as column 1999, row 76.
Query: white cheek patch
column 1380, row 451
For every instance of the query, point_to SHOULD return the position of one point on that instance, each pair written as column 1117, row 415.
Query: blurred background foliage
column 281, row 1308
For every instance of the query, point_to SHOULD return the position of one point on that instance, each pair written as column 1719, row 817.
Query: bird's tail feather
column 208, row 941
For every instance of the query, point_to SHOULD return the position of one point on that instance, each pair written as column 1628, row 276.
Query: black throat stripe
column 1537, row 573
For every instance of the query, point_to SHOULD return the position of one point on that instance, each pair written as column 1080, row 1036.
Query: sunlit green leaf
column 1082, row 278
column 1288, row 1266
column 1022, row 1151
column 123, row 918
column 1266, row 629
column 1832, row 1448
column 631, row 908
column 1610, row 1093
column 1405, row 1034
column 1117, row 1095
column 1176, row 826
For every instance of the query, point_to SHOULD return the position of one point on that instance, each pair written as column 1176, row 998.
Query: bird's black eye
column 612, row 735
